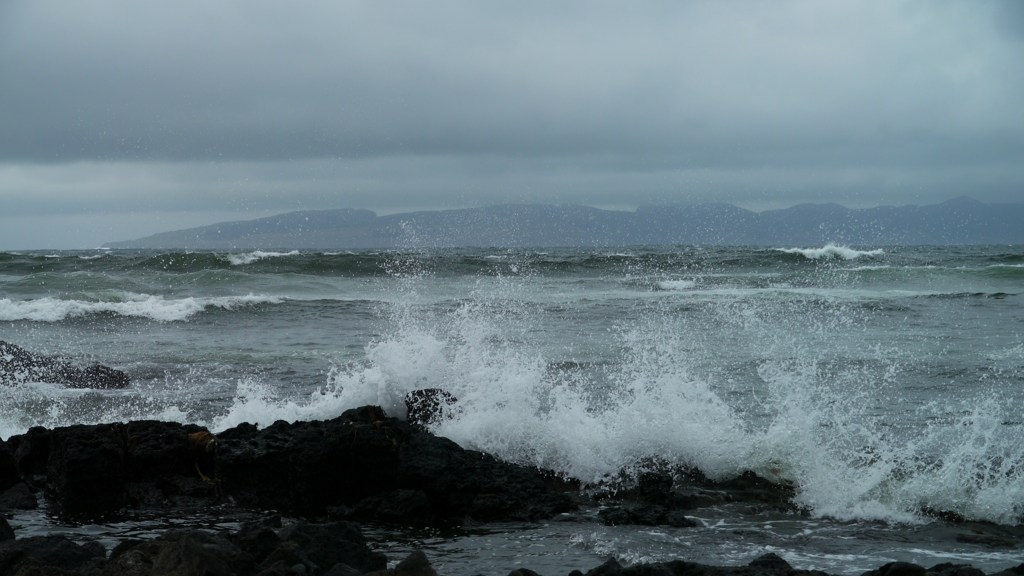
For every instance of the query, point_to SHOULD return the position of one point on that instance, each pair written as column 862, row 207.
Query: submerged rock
column 19, row 365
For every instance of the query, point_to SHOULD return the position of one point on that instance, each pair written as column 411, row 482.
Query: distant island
column 958, row 221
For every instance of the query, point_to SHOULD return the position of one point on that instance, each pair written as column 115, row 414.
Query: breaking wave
column 132, row 305
column 831, row 251
column 805, row 417
column 250, row 257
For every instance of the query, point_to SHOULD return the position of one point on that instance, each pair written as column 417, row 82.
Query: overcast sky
column 122, row 118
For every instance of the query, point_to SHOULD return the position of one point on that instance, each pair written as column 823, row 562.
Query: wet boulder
column 374, row 467
column 18, row 365
column 428, row 406
column 48, row 555
column 93, row 471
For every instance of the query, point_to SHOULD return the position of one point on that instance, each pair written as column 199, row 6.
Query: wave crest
column 831, row 251
column 152, row 307
column 250, row 257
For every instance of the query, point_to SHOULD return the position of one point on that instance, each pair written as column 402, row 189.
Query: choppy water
column 881, row 381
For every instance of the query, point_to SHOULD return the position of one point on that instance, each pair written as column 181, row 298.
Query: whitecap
column 148, row 306
column 250, row 257
column 673, row 285
column 831, row 251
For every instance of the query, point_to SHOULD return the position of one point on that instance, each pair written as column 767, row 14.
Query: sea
column 885, row 383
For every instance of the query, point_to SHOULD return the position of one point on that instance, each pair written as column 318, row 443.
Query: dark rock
column 1015, row 571
column 19, row 365
column 655, row 488
column 428, row 406
column 18, row 497
column 948, row 569
column 31, row 452
column 609, row 568
column 523, row 572
column 748, row 486
column 94, row 471
column 9, row 474
column 86, row 474
column 258, row 539
column 360, row 465
column 344, row 570
column 771, row 563
column 182, row 553
column 415, row 564
column 372, row 465
column 402, row 506
column 325, row 545
column 47, row 554
column 6, row 532
column 645, row 515
column 898, row 569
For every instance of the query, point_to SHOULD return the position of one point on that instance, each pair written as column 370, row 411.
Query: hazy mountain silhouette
column 958, row 221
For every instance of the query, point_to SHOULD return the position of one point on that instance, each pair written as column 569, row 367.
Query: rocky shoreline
column 324, row 477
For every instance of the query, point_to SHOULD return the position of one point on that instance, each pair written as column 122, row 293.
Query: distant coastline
column 955, row 222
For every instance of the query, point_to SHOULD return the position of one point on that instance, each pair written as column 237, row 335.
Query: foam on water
column 831, row 251
column 820, row 428
column 802, row 416
column 153, row 307
column 250, row 257
column 672, row 285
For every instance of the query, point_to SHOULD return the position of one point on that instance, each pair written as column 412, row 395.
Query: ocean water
column 881, row 382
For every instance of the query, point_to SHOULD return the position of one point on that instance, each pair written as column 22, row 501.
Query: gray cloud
column 195, row 107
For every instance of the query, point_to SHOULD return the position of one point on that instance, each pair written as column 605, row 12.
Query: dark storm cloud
column 694, row 81
column 227, row 106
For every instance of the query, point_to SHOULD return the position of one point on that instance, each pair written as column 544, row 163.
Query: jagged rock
column 95, row 470
column 428, row 406
column 326, row 545
column 6, row 532
column 645, row 515
column 897, row 569
column 86, row 470
column 31, row 452
column 48, row 555
column 18, row 497
column 9, row 475
column 610, row 566
column 523, row 572
column 415, row 564
column 363, row 457
column 182, row 553
column 948, row 569
column 19, row 365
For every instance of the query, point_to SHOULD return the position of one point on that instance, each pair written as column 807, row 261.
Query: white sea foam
column 814, row 426
column 250, row 257
column 831, row 251
column 672, row 285
column 131, row 305
column 818, row 429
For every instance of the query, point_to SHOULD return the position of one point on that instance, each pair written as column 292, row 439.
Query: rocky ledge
column 323, row 475
column 360, row 465
column 270, row 548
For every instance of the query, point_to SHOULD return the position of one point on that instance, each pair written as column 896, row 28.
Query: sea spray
column 802, row 370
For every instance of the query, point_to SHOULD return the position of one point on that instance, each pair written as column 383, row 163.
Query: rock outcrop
column 360, row 465
column 19, row 365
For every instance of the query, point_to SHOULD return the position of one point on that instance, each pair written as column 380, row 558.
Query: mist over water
column 883, row 384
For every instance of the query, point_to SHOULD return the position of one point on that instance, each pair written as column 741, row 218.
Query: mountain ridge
column 957, row 221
